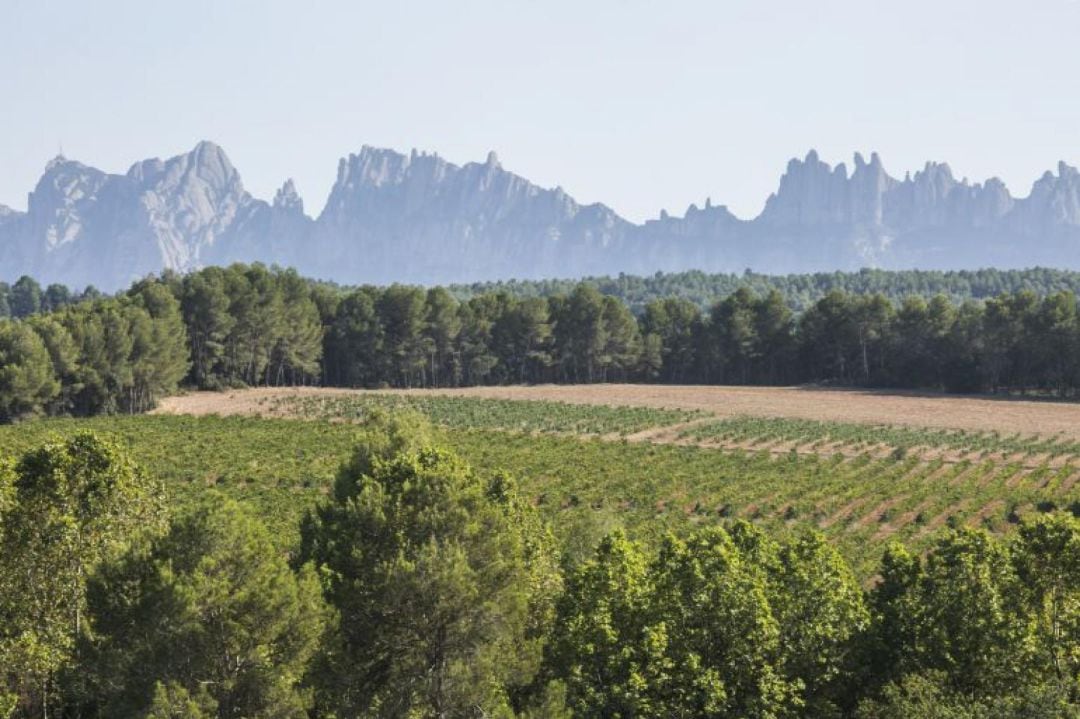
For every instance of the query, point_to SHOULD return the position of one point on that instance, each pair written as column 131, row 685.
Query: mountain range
column 416, row 218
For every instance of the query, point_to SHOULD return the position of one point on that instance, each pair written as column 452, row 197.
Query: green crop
column 585, row 486
column 477, row 413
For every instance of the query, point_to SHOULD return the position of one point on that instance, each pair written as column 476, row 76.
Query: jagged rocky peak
column 64, row 185
column 374, row 167
column 416, row 217
column 1054, row 199
column 936, row 173
column 288, row 199
column 206, row 165
column 874, row 170
column 811, row 193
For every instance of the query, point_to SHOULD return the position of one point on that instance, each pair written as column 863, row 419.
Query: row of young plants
column 585, row 487
column 420, row 586
column 483, row 413
column 816, row 434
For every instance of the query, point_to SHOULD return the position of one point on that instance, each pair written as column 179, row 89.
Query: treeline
column 801, row 291
column 26, row 297
column 103, row 356
column 250, row 325
column 422, row 589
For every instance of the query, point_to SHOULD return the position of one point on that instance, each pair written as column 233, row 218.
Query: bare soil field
column 976, row 414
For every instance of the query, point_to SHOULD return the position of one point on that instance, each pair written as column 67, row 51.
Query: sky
column 638, row 104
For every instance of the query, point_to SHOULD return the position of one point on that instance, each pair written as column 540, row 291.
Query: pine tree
column 432, row 571
column 208, row 618
column 28, row 382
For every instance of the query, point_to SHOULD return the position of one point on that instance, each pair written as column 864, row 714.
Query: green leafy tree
column 64, row 355
column 431, row 571
column 475, row 346
column 599, row 634
column 521, row 338
column 28, row 382
column 56, row 297
column 298, row 348
column 208, row 617
column 25, row 298
column 774, row 331
column 205, row 307
column 733, row 337
column 958, row 615
column 677, row 324
column 353, row 342
column 76, row 503
column 5, row 307
column 1047, row 557
column 725, row 643
column 691, row 634
column 441, row 327
column 401, row 312
column 822, row 616
column 580, row 334
column 621, row 353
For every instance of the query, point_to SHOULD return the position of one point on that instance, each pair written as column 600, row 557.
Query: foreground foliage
column 442, row 581
column 443, row 595
column 209, row 613
column 65, row 507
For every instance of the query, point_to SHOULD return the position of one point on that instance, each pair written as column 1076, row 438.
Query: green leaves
column 719, row 624
column 433, row 572
column 208, row 618
column 982, row 618
column 28, row 382
column 74, row 504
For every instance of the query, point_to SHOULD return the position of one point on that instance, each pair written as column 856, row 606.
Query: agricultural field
column 589, row 468
column 808, row 436
column 972, row 414
column 477, row 413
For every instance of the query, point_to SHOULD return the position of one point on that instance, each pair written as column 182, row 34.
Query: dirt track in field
column 980, row 414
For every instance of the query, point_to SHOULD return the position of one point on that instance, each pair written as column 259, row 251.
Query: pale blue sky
column 640, row 104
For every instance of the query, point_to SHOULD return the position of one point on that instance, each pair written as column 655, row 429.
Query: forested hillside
column 249, row 325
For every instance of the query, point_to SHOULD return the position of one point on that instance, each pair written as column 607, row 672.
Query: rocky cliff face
column 83, row 226
column 418, row 218
column 392, row 217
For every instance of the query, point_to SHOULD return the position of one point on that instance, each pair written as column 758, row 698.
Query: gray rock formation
column 416, row 218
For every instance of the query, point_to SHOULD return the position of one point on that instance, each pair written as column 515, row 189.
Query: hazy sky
column 639, row 104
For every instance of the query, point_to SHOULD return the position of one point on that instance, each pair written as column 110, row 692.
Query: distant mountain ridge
column 393, row 217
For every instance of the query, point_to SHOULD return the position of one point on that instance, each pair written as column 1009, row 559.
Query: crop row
column 586, row 486
column 813, row 434
column 477, row 413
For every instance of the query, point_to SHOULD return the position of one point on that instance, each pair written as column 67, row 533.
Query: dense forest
column 26, row 297
column 800, row 291
column 421, row 588
column 250, row 325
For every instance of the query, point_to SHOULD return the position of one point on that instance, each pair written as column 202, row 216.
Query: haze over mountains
column 417, row 218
